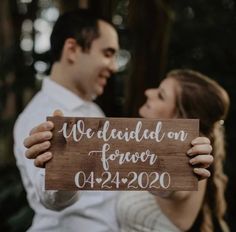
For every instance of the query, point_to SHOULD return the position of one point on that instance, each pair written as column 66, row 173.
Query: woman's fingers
column 200, row 140
column 200, row 149
column 203, row 161
column 200, row 156
column 202, row 173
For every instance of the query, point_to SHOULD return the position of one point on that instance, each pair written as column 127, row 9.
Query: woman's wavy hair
column 200, row 97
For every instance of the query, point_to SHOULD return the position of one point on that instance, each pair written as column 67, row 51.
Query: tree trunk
column 149, row 23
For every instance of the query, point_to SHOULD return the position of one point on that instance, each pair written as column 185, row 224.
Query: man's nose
column 113, row 66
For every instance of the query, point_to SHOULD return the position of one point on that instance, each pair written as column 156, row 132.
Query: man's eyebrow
column 111, row 50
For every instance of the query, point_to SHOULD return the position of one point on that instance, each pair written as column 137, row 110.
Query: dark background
column 155, row 36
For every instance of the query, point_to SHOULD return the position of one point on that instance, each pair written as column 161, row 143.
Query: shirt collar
column 64, row 96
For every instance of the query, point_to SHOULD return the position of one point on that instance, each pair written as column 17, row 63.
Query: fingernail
column 49, row 125
column 192, row 161
column 48, row 155
column 189, row 151
column 48, row 135
column 46, row 144
column 196, row 169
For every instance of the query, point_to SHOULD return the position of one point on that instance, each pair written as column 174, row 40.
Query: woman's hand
column 201, row 157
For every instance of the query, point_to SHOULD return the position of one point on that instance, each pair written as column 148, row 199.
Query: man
column 83, row 52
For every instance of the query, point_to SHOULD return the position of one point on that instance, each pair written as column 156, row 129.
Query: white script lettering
column 123, row 157
column 77, row 131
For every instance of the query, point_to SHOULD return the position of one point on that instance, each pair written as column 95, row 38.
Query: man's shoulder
column 33, row 106
column 34, row 113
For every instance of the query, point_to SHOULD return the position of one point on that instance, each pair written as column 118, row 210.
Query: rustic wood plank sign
column 121, row 154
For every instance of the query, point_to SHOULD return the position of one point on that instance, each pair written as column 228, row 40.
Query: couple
column 84, row 51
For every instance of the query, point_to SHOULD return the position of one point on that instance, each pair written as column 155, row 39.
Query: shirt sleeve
column 54, row 199
column 33, row 178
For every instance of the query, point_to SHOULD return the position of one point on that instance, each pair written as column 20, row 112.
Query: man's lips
column 102, row 81
column 103, row 78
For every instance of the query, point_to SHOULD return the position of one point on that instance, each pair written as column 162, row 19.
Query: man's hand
column 38, row 142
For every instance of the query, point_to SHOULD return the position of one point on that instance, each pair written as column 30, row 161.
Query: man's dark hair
column 80, row 25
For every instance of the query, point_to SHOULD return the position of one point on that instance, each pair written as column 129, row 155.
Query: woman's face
column 161, row 102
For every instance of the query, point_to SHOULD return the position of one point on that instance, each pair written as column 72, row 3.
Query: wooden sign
column 121, row 154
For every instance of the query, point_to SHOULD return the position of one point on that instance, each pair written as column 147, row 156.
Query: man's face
column 97, row 65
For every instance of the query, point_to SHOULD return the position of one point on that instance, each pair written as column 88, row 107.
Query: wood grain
column 170, row 171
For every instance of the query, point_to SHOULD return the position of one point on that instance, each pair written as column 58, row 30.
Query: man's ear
column 70, row 50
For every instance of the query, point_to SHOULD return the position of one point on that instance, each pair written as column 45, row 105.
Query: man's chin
column 141, row 112
column 97, row 94
column 99, row 91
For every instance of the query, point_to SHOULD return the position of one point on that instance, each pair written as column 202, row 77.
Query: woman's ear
column 70, row 50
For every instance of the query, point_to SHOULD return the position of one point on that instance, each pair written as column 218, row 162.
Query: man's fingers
column 58, row 113
column 38, row 144
column 37, row 149
column 45, row 126
column 41, row 160
column 37, row 138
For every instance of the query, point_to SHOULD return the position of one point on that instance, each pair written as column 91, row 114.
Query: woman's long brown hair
column 198, row 96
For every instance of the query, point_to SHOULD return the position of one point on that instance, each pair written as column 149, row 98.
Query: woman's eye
column 160, row 96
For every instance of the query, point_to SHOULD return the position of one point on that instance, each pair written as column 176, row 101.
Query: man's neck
column 62, row 76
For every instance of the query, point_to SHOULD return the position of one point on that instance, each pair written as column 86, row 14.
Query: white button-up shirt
column 95, row 210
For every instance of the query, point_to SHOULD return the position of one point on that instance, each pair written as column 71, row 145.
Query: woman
column 183, row 94
column 169, row 211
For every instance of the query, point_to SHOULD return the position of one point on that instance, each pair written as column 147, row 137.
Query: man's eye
column 108, row 54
